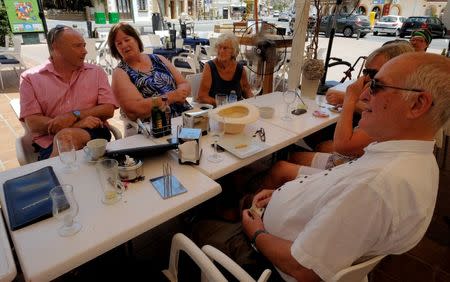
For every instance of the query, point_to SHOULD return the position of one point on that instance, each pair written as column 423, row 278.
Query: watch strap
column 77, row 114
column 256, row 234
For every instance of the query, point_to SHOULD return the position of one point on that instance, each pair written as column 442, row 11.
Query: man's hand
column 261, row 199
column 251, row 223
column 60, row 122
column 89, row 122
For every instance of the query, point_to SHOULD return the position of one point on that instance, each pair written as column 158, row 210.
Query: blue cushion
column 9, row 61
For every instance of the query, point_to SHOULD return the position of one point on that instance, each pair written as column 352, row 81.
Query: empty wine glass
column 216, row 131
column 288, row 98
column 67, row 152
column 221, row 99
column 256, row 82
column 65, row 208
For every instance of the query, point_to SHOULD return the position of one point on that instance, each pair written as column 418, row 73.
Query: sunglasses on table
column 375, row 86
column 370, row 73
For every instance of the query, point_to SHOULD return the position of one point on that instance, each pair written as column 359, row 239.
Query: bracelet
column 255, row 235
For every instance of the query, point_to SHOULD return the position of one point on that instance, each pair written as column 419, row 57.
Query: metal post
column 42, row 16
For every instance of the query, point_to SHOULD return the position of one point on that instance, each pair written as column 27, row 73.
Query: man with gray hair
column 65, row 97
column 379, row 204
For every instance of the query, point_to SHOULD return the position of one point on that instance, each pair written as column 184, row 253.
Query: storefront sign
column 23, row 16
column 378, row 2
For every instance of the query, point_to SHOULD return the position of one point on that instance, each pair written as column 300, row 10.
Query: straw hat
column 236, row 116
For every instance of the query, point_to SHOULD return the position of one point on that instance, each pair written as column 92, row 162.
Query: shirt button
column 301, row 181
column 326, row 174
column 306, row 176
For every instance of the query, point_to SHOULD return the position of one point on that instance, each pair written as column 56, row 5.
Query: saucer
column 88, row 159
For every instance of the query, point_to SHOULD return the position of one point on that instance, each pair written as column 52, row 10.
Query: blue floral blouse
column 157, row 82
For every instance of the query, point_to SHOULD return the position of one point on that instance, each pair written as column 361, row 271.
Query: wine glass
column 216, row 130
column 221, row 99
column 67, row 152
column 288, row 98
column 65, row 208
column 256, row 82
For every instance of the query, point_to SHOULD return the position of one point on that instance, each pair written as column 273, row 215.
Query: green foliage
column 5, row 30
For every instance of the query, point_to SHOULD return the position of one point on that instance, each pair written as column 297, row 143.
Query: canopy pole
column 298, row 43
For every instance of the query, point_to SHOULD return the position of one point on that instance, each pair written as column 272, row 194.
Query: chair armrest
column 182, row 243
column 240, row 274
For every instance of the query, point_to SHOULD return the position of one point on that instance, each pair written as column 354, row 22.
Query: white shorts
column 318, row 164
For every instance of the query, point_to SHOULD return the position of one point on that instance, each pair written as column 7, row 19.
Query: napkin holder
column 196, row 118
column 189, row 145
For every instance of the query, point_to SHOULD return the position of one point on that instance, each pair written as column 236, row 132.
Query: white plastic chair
column 91, row 56
column 25, row 153
column 357, row 272
column 194, row 80
column 14, row 54
column 204, row 259
column 154, row 41
column 192, row 64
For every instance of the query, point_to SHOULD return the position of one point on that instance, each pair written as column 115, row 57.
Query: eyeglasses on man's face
column 370, row 72
column 376, row 86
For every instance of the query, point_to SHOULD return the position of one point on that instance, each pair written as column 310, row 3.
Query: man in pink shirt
column 65, row 97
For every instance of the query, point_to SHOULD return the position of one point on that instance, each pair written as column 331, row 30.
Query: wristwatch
column 255, row 235
column 77, row 114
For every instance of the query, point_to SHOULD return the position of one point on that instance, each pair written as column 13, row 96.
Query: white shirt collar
column 417, row 146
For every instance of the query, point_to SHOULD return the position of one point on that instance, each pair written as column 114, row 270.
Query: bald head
column 66, row 47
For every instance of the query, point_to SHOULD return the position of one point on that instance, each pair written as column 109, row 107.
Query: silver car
column 389, row 24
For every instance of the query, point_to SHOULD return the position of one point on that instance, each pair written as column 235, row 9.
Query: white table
column 302, row 125
column 276, row 138
column 44, row 255
column 7, row 266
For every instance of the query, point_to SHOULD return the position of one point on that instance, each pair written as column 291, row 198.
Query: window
column 142, row 5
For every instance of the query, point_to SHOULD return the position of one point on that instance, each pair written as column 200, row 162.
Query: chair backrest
column 155, row 40
column 357, row 272
column 24, row 150
column 194, row 80
column 91, row 56
column 162, row 33
column 179, row 43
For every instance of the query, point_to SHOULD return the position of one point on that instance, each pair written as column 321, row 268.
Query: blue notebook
column 27, row 197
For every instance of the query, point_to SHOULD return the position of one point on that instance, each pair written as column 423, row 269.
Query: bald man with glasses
column 379, row 204
column 65, row 97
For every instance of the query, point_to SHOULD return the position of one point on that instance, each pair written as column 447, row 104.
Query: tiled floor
column 429, row 261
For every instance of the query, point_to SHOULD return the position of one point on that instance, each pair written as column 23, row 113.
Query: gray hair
column 391, row 50
column 432, row 75
column 54, row 34
column 234, row 43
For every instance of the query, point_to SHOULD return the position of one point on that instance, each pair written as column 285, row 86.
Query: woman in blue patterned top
column 142, row 81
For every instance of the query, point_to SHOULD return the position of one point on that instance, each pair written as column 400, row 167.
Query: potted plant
column 313, row 68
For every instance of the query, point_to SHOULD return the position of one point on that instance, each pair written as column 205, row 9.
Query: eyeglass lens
column 370, row 72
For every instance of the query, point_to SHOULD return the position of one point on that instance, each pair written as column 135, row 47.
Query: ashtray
column 130, row 172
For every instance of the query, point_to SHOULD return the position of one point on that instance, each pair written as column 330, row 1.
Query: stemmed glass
column 256, row 82
column 67, row 153
column 65, row 208
column 288, row 98
column 216, row 131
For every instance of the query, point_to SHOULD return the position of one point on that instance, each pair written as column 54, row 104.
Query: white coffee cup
column 95, row 148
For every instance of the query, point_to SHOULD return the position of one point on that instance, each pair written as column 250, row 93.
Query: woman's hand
column 261, row 199
column 178, row 95
column 334, row 97
column 354, row 90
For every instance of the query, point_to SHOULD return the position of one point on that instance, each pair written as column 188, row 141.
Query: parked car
column 389, row 24
column 311, row 23
column 276, row 13
column 433, row 24
column 283, row 17
column 346, row 24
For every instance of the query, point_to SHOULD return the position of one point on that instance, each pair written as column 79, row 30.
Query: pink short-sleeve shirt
column 42, row 91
